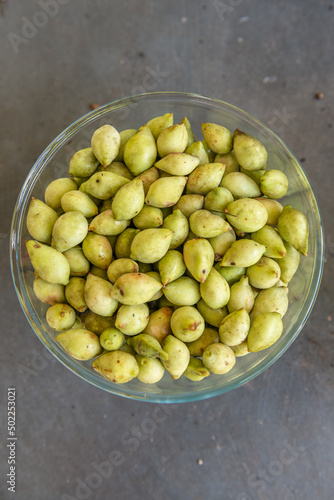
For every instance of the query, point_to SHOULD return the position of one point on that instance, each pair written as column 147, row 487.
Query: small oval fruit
column 117, row 366
column 187, row 323
column 218, row 358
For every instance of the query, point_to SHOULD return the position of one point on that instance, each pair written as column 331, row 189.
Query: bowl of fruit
column 167, row 247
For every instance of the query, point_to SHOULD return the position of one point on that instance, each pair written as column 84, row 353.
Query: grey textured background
column 270, row 439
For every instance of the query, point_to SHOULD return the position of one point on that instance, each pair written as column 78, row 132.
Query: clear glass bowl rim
column 79, row 370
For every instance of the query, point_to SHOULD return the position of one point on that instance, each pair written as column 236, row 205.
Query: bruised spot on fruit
column 121, row 291
column 36, row 245
column 194, row 326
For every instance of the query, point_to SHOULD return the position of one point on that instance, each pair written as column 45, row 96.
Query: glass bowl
column 132, row 112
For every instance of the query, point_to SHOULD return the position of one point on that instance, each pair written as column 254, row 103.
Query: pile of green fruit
column 160, row 252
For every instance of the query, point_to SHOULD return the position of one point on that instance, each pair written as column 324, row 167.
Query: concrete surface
column 270, row 439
